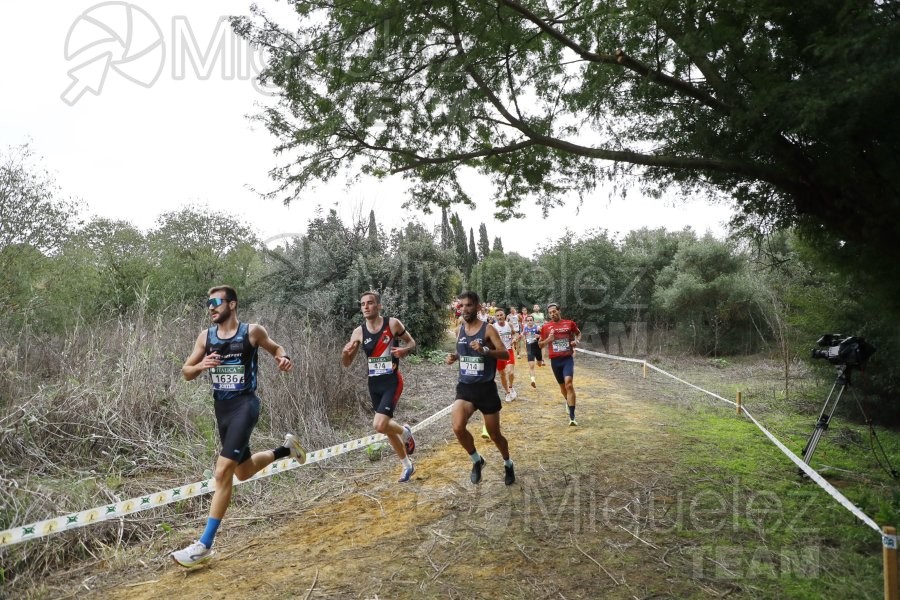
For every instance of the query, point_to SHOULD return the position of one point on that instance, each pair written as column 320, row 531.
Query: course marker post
column 738, row 403
column 889, row 551
column 645, row 369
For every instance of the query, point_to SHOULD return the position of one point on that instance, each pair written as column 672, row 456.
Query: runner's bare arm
column 260, row 337
column 198, row 362
column 397, row 328
column 543, row 342
column 495, row 347
column 351, row 347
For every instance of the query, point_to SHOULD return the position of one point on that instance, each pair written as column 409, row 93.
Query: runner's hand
column 398, row 352
column 284, row 363
column 209, row 361
column 451, row 358
column 349, row 347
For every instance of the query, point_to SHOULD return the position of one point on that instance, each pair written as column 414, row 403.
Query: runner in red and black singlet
column 378, row 337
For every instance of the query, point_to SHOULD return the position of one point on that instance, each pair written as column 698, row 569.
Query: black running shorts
column 483, row 395
column 384, row 392
column 236, row 419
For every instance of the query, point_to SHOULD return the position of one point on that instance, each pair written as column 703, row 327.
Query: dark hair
column 470, row 296
column 230, row 293
column 371, row 293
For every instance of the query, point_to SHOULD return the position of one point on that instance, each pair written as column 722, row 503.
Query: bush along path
column 638, row 501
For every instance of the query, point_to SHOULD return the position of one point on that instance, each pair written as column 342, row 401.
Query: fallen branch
column 313, row 586
column 595, row 562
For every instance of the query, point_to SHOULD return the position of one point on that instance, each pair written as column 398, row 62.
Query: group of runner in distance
column 228, row 351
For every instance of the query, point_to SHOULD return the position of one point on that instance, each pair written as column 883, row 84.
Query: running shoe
column 407, row 473
column 408, row 439
column 513, row 393
column 510, row 475
column 573, row 423
column 484, row 432
column 293, row 444
column 533, row 384
column 193, row 556
column 476, row 471
column 508, row 397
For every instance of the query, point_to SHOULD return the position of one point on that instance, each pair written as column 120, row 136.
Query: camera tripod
column 842, row 380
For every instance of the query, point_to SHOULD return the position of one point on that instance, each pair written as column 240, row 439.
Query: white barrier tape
column 809, row 471
column 141, row 503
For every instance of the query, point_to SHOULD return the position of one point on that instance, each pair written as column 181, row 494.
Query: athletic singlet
column 237, row 373
column 532, row 333
column 473, row 366
column 513, row 320
column 377, row 347
column 562, row 332
column 506, row 334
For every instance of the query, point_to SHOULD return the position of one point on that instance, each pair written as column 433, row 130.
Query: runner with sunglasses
column 228, row 351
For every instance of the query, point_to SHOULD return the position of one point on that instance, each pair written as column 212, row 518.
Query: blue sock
column 571, row 413
column 212, row 525
column 476, row 458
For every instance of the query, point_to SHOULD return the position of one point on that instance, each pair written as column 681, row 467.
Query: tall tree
column 484, row 246
column 473, row 253
column 791, row 108
column 459, row 243
column 374, row 243
column 498, row 245
column 446, row 232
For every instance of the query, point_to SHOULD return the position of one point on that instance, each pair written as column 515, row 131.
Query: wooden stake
column 889, row 551
column 738, row 403
column 645, row 369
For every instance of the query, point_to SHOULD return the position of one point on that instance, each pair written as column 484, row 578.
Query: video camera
column 844, row 350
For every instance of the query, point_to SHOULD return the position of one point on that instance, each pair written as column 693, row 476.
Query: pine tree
column 473, row 253
column 498, row 245
column 484, row 247
column 374, row 244
column 446, row 232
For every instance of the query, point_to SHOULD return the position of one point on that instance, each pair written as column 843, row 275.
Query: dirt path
column 582, row 521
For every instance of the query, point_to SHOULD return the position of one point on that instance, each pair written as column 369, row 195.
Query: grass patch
column 749, row 518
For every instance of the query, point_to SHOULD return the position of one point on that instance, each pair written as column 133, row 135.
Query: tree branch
column 619, row 59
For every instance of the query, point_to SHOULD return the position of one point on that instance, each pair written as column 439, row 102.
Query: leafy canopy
column 792, row 108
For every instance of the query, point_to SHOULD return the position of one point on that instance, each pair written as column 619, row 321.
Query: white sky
column 146, row 146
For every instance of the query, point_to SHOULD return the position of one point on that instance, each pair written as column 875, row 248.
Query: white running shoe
column 293, row 444
column 193, row 556
column 513, row 393
column 508, row 397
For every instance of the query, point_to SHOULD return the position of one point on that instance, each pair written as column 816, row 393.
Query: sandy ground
column 585, row 519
